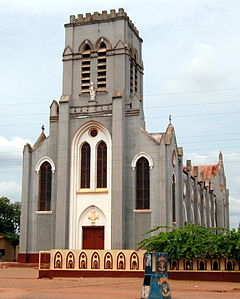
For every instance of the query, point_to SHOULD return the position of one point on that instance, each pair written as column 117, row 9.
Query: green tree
column 194, row 241
column 9, row 218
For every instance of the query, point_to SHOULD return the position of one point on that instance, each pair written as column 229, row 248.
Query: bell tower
column 102, row 92
column 103, row 54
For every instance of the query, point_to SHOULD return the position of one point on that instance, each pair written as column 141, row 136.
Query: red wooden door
column 93, row 237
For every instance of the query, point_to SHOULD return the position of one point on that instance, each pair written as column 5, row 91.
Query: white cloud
column 12, row 190
column 204, row 68
column 11, row 166
column 196, row 158
column 212, row 157
column 13, row 148
column 234, row 221
column 234, row 207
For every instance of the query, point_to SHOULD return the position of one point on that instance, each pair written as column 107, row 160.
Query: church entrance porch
column 93, row 237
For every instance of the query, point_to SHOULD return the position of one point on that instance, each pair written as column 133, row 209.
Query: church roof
column 40, row 139
column 205, row 172
column 157, row 136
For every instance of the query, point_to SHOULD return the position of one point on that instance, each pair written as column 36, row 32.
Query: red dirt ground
column 22, row 283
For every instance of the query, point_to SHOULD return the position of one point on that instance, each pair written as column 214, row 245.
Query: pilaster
column 118, row 141
column 27, row 161
column 63, row 177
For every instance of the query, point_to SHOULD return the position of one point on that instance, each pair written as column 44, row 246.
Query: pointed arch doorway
column 93, row 237
column 93, row 233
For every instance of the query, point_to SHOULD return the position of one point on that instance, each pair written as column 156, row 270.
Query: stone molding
column 42, row 160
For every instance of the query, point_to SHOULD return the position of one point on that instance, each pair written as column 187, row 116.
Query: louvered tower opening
column 102, row 67
column 136, row 76
column 131, row 77
column 86, row 69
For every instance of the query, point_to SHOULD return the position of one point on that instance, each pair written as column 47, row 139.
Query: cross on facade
column 93, row 216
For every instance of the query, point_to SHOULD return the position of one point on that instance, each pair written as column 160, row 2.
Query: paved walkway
column 16, row 283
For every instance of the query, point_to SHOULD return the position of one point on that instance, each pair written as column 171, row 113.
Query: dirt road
column 16, row 283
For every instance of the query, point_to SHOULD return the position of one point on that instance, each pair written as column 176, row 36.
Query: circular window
column 93, row 132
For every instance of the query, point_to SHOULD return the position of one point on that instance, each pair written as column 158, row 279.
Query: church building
column 100, row 180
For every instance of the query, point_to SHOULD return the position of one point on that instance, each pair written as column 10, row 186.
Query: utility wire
column 218, row 140
column 192, row 91
column 210, row 148
column 149, row 117
column 10, row 151
column 185, row 150
column 24, row 114
column 195, row 136
column 207, row 135
column 12, row 167
column 148, row 107
column 24, row 103
column 146, row 95
column 190, row 104
column 193, row 115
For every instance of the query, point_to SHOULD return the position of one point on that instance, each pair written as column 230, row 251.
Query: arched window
column 45, row 185
column 142, row 186
column 173, row 199
column 86, row 69
column 102, row 67
column 85, row 165
column 102, row 165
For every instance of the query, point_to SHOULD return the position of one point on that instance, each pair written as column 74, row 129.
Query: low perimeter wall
column 67, row 263
column 129, row 263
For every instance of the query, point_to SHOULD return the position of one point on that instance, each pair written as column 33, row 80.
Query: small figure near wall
column 92, row 92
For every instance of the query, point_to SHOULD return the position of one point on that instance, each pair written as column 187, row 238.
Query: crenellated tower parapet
column 100, row 61
column 97, row 17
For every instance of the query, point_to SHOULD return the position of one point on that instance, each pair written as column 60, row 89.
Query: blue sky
column 192, row 71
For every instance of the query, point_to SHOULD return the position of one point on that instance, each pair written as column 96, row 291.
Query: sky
column 191, row 72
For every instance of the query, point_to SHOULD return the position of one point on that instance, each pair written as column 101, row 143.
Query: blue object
column 155, row 283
